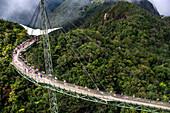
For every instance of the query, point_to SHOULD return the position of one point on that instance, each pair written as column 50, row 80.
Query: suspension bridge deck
column 80, row 92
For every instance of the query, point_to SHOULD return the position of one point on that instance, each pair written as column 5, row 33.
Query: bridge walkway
column 105, row 96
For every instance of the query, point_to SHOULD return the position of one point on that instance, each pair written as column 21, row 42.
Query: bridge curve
column 77, row 91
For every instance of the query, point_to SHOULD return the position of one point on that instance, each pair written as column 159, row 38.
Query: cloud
column 10, row 7
column 163, row 6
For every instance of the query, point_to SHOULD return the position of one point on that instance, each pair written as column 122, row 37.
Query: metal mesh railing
column 67, row 86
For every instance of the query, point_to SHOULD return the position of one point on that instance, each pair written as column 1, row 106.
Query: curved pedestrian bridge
column 78, row 91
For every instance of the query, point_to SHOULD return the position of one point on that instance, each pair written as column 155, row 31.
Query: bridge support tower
column 47, row 56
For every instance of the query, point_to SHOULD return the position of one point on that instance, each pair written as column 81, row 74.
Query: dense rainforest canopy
column 80, row 11
column 126, row 46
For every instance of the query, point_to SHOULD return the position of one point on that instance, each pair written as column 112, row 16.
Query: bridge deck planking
column 81, row 90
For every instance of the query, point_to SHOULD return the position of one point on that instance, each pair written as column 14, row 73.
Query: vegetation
column 16, row 93
column 78, row 12
column 133, row 59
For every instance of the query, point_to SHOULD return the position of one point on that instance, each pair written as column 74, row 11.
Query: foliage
column 133, row 59
column 16, row 93
column 78, row 12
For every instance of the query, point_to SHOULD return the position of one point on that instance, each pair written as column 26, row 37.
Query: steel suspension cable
column 34, row 15
column 99, row 46
column 90, row 68
column 78, row 58
column 36, row 18
column 48, row 18
column 82, row 63
column 84, row 33
column 96, row 43
column 81, row 55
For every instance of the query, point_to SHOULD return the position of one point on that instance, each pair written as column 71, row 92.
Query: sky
column 7, row 7
column 163, row 6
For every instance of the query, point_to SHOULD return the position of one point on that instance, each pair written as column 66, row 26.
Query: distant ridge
column 78, row 10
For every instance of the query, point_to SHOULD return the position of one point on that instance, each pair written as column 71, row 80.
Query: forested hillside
column 80, row 11
column 133, row 59
column 16, row 93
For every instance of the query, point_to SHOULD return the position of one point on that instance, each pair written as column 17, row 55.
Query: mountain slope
column 145, row 4
column 23, row 16
column 138, row 44
column 60, row 11
column 134, row 59
column 79, row 11
column 138, row 64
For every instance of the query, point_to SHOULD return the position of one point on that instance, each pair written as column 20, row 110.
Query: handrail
column 79, row 89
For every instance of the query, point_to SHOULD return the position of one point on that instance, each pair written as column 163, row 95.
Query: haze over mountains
column 72, row 9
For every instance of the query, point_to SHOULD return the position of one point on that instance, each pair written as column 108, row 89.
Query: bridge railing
column 95, row 92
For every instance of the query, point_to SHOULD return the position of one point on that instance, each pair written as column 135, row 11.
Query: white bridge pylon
column 37, row 32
